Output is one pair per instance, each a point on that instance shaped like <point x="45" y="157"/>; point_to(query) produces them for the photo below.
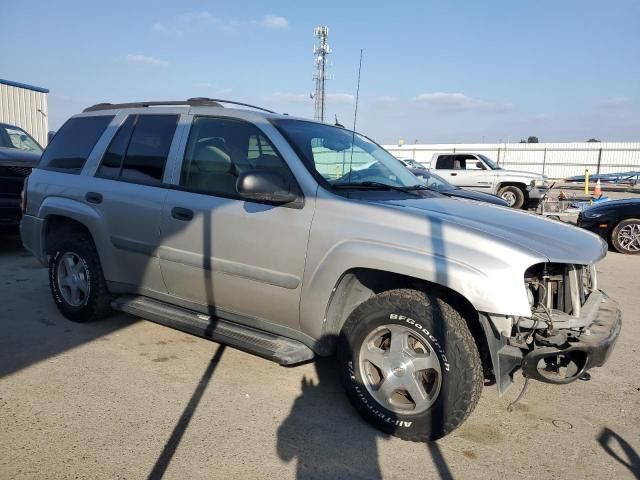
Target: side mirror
<point x="480" y="165"/>
<point x="264" y="186"/>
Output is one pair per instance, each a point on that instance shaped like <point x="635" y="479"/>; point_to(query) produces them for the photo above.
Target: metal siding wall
<point x="556" y="160"/>
<point x="19" y="106"/>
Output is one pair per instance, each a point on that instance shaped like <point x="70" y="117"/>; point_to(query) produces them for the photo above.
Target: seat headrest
<point x="212" y="159"/>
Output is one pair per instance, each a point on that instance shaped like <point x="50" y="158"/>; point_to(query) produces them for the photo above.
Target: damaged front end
<point x="573" y="327"/>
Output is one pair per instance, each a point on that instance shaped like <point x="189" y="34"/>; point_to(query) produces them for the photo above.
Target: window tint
<point x="138" y="153"/>
<point x="72" y="144"/>
<point x="112" y="159"/>
<point x="148" y="148"/>
<point x="219" y="149"/>
<point x="445" y="162"/>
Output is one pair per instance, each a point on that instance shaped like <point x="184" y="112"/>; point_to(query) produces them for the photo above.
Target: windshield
<point x="14" y="137"/>
<point x="435" y="182"/>
<point x="343" y="158"/>
<point x="412" y="163"/>
<point x="492" y="165"/>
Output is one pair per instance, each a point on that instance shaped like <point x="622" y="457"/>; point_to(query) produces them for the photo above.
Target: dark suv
<point x="19" y="153"/>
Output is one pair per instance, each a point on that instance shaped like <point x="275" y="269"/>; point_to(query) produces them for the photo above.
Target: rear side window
<point x="72" y="144"/>
<point x="138" y="153"/>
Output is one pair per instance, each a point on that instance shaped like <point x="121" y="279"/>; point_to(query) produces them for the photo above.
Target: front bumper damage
<point x="564" y="355"/>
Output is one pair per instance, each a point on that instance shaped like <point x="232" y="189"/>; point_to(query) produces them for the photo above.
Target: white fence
<point x="556" y="160"/>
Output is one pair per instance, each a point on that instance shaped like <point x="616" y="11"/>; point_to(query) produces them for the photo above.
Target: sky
<point x="432" y="71"/>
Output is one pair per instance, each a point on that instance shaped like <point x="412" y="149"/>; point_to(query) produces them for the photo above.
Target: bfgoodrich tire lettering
<point x="97" y="303"/>
<point x="450" y="341"/>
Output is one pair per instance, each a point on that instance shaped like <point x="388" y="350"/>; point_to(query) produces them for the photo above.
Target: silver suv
<point x="290" y="238"/>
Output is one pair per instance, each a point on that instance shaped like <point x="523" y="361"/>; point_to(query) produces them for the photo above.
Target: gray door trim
<point x="258" y="274"/>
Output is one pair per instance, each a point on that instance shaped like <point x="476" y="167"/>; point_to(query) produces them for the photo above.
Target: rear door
<point x="128" y="191"/>
<point x="243" y="260"/>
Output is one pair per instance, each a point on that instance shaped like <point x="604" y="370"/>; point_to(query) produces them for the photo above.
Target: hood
<point x="16" y="157"/>
<point x="474" y="195"/>
<point x="554" y="240"/>
<point x="518" y="173"/>
<point x="609" y="204"/>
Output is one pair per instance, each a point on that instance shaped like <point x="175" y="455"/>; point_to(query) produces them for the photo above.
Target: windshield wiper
<point x="380" y="185"/>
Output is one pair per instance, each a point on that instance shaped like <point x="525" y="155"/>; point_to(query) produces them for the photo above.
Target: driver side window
<point x="220" y="149"/>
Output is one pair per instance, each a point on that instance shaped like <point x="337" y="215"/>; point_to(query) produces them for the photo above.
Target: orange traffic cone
<point x="597" y="191"/>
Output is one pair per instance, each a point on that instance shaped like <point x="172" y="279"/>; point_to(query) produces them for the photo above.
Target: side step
<point x="273" y="347"/>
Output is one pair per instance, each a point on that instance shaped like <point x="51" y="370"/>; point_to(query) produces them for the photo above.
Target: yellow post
<point x="586" y="181"/>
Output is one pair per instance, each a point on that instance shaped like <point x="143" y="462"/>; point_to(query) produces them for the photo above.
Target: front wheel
<point x="513" y="195"/>
<point x="410" y="365"/>
<point x="625" y="237"/>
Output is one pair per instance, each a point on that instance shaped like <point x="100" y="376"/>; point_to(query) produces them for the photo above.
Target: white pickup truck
<point x="478" y="172"/>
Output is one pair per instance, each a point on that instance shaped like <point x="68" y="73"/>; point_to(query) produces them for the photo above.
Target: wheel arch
<point x="61" y="214"/>
<point x="357" y="285"/>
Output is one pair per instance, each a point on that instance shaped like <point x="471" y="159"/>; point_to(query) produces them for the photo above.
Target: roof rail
<point x="192" y="102"/>
<point x="231" y="102"/>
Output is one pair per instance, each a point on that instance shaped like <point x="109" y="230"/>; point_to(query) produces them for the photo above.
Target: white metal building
<point x="26" y="107"/>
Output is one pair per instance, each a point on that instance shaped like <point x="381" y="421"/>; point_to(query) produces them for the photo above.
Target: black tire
<point x="513" y="192"/>
<point x="616" y="240"/>
<point x="448" y="336"/>
<point x="97" y="304"/>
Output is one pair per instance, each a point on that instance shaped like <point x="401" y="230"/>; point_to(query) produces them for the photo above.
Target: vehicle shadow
<point x="31" y="328"/>
<point x="608" y="439"/>
<point x="325" y="435"/>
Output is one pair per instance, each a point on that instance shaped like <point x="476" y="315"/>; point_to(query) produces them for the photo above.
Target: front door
<point x="466" y="171"/>
<point x="239" y="259"/>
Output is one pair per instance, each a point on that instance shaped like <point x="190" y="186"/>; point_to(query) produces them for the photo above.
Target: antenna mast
<point x="320" y="50"/>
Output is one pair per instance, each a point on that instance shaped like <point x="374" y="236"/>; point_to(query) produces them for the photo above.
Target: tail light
<point x="23" y="196"/>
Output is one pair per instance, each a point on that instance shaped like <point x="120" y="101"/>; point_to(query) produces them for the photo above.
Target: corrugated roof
<point x="24" y="85"/>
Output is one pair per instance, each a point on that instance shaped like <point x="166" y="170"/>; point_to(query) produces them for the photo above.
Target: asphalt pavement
<point x="127" y="398"/>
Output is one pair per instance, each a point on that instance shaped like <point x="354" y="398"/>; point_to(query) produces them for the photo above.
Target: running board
<point x="282" y="350"/>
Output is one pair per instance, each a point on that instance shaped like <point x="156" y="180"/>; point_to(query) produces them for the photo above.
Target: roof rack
<point x="192" y="102"/>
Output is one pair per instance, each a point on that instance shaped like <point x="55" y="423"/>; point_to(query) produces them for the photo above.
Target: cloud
<point x="198" y="21"/>
<point x="145" y="60"/>
<point x="274" y="21"/>
<point x="194" y="21"/>
<point x="162" y="28"/>
<point x="459" y="102"/>
<point x="340" y="98"/>
<point x="384" y="99"/>
<point x="616" y="102"/>
<point x="291" y="97"/>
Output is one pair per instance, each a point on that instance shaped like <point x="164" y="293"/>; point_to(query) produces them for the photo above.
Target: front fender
<point x="504" y="294"/>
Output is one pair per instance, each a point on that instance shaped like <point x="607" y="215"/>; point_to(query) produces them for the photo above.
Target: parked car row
<point x="291" y="238"/>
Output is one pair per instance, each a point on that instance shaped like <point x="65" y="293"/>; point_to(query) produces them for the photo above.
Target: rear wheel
<point x="513" y="195"/>
<point x="76" y="280"/>
<point x="625" y="237"/>
<point x="410" y="365"/>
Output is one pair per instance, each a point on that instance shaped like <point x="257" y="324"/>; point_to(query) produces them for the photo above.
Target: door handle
<point x="93" y="197"/>
<point x="453" y="174"/>
<point x="183" y="214"/>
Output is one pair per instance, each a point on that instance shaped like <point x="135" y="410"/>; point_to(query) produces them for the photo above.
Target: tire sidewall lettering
<point x="435" y="344"/>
